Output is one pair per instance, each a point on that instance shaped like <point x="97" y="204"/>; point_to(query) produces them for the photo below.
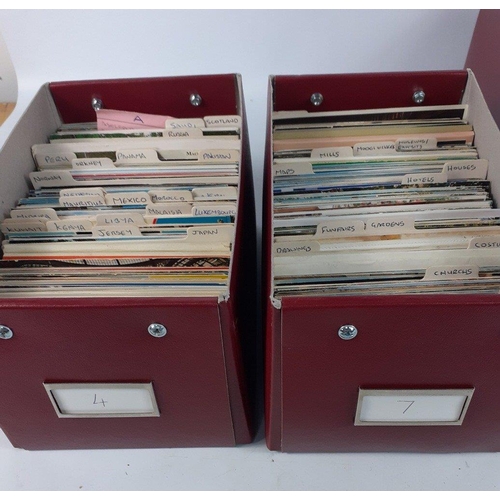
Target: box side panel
<point x="242" y="332"/>
<point x="86" y="341"/>
<point x="402" y="343"/>
<point x="38" y="121"/>
<point x="484" y="57"/>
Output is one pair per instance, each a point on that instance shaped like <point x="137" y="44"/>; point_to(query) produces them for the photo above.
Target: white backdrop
<point x="69" y="45"/>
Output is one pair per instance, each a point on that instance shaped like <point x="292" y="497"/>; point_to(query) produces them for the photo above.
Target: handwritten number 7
<point x="408" y="407"/>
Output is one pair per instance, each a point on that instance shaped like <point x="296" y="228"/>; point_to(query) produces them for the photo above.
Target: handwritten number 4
<point x="101" y="402"/>
<point x="408" y="407"/>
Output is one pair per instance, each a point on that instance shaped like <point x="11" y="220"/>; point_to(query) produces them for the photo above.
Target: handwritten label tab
<point x="438" y="273"/>
<point x="424" y="179"/>
<point x="340" y="229"/>
<point x="293" y="169"/>
<point x="51" y="178"/>
<point x="217" y="234"/>
<point x="332" y="153"/>
<point x="215" y="193"/>
<point x="13" y="226"/>
<point x="375" y="148"/>
<point x="416" y="144"/>
<point x="73" y="226"/>
<point x="92" y="200"/>
<point x="136" y="156"/>
<point x="34" y="213"/>
<point x="60" y="159"/>
<point x="120" y="218"/>
<point x="127" y="198"/>
<point x="170" y="195"/>
<point x="219" y="156"/>
<point x="394" y="224"/>
<point x="214" y="210"/>
<point x="92" y="163"/>
<point x="180" y="154"/>
<point x="183" y="133"/>
<point x="223" y="121"/>
<point x="183" y="123"/>
<point x="70" y="192"/>
<point x="299" y="248"/>
<point x="485" y="243"/>
<point x="169" y="209"/>
<point x="118" y="231"/>
<point x="466" y="169"/>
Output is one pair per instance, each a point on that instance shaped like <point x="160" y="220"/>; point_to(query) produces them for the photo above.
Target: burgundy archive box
<point x="429" y="344"/>
<point x="201" y="371"/>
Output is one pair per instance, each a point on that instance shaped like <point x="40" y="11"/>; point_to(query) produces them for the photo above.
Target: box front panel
<point x="402" y="343"/>
<point x="91" y="342"/>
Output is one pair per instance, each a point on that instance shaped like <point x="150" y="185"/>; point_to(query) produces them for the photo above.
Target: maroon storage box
<point x="199" y="371"/>
<point x="424" y="343"/>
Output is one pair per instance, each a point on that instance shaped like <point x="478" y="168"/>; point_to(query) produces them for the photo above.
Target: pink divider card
<point x="111" y="119"/>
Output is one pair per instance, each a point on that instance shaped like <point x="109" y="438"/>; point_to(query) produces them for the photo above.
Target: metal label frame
<point x="147" y="386"/>
<point x="467" y="393"/>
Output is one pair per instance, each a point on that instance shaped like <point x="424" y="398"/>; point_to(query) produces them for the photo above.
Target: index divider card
<point x="127" y="269"/>
<point x="381" y="264"/>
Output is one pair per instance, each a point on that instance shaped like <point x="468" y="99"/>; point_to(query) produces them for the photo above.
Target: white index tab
<point x="466" y="169"/>
<point x="169" y="209"/>
<point x="214" y="209"/>
<point x="293" y="169"/>
<point x="223" y="121"/>
<point x="34" y="214"/>
<point x="381" y="148"/>
<point x="23" y="226"/>
<point x="215" y="193"/>
<point x="219" y="156"/>
<point x="170" y="195"/>
<point x="118" y="231"/>
<point x="70" y="226"/>
<point x="416" y="144"/>
<point x="128" y="198"/>
<point x="424" y="179"/>
<point x="183" y="133"/>
<point x="298" y="248"/>
<point x="484" y="243"/>
<point x="135" y="156"/>
<point x="55" y="160"/>
<point x="332" y="153"/>
<point x="214" y="233"/>
<point x="92" y="163"/>
<point x="438" y="273"/>
<point x="340" y="229"/>
<point x="183" y="123"/>
<point x="393" y="224"/>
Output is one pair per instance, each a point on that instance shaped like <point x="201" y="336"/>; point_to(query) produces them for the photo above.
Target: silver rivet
<point x="418" y="97"/>
<point x="157" y="330"/>
<point x="6" y="332"/>
<point x="317" y="98"/>
<point x="195" y="99"/>
<point x="347" y="332"/>
<point x="97" y="103"/>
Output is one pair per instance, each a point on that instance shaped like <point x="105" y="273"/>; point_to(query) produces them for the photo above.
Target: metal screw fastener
<point x="347" y="332"/>
<point x="157" y="330"/>
<point x="97" y="104"/>
<point x="317" y="98"/>
<point x="6" y="332"/>
<point x="418" y="97"/>
<point x="195" y="99"/>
